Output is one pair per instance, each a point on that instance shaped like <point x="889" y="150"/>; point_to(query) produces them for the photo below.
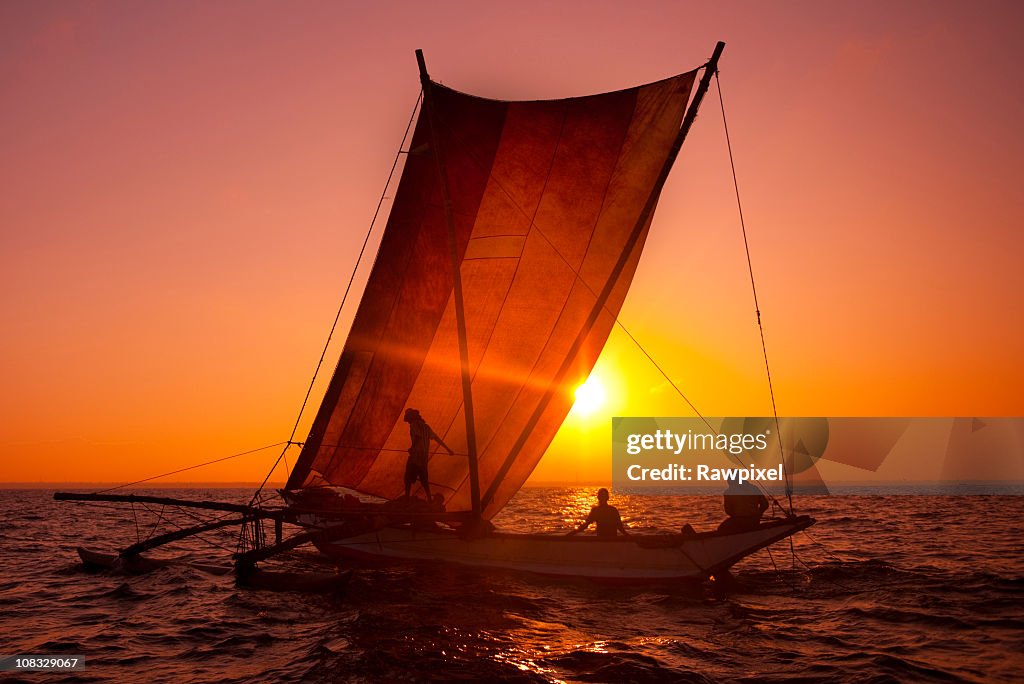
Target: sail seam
<point x="492" y="489"/>
<point x="532" y="219"/>
<point x="455" y="416"/>
<point x="496" y="483"/>
<point x="753" y="288"/>
<point x="532" y="228"/>
<point x="468" y="153"/>
<point x="535" y="227"/>
<point x="633" y="240"/>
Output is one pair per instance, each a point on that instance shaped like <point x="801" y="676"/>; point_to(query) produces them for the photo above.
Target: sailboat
<point x="513" y="237"/>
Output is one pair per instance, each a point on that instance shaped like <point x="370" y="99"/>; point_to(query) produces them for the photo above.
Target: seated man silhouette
<point x="606" y="517"/>
<point x="744" y="504"/>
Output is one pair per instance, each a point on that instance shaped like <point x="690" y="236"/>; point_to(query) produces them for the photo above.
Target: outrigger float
<point x="513" y="237"/>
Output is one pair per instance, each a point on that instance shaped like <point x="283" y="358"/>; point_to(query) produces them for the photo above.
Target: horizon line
<point x="240" y="484"/>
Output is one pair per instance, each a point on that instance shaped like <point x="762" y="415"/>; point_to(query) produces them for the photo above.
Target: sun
<point x="590" y="397"/>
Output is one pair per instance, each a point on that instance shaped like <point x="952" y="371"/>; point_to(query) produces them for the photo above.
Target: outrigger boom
<point x="327" y="530"/>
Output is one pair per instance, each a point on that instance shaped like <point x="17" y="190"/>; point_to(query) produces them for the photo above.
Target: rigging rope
<point x="753" y="287"/>
<point x="824" y="548"/>
<point x="152" y="531"/>
<point x="759" y="485"/>
<point x="344" y="297"/>
<point x="334" y="326"/>
<point x="660" y="370"/>
<point x="657" y="366"/>
<point x="199" y="535"/>
<point x="193" y="467"/>
<point x="195" y="518"/>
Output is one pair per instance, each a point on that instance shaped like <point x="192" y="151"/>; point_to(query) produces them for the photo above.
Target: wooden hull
<point x="635" y="558"/>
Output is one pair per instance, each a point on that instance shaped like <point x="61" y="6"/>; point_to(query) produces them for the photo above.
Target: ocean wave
<point x="930" y="593"/>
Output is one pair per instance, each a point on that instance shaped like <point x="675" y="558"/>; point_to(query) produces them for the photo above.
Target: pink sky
<point x="186" y="186"/>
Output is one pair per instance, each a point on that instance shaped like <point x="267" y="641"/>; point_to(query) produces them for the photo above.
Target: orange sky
<point x="186" y="186"/>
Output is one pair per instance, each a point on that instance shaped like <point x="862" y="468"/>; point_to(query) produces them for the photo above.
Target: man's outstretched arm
<point x="583" y="525"/>
<point x="434" y="436"/>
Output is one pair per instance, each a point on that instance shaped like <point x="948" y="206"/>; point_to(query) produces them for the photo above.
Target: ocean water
<point x="883" y="588"/>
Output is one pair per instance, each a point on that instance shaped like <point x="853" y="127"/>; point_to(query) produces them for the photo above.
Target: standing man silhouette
<point x="419" y="451"/>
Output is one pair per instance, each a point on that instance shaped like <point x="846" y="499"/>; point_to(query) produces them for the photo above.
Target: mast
<point x="691" y="114"/>
<point x="460" y="312"/>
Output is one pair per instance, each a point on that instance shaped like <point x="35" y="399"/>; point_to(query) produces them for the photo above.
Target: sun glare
<point x="589" y="397"/>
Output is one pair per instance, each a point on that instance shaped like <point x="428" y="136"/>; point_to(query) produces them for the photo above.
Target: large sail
<point x="544" y="196"/>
